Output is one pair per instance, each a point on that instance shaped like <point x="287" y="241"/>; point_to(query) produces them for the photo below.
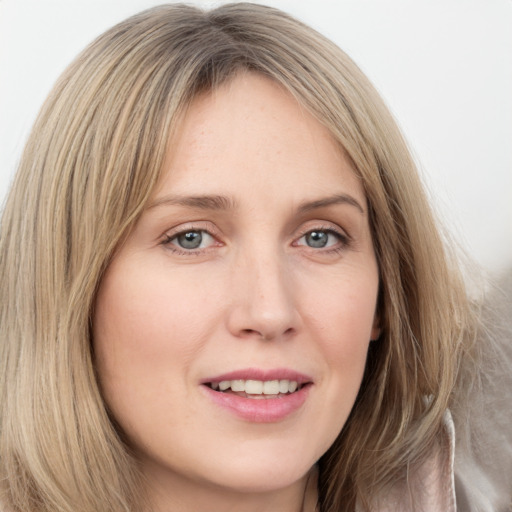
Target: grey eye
<point x="317" y="239"/>
<point x="190" y="240"/>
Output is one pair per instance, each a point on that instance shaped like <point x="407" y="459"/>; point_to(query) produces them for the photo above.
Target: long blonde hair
<point x="89" y="167"/>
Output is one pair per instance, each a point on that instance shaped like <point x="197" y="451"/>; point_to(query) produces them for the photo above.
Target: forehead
<point x="250" y="130"/>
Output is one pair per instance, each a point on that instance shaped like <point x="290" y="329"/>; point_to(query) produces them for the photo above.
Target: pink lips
<point x="265" y="410"/>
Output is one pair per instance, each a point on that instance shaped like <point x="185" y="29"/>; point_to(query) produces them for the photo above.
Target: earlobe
<point x="376" y="329"/>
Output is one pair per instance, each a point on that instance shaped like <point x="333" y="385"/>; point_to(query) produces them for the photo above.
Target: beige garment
<point x="431" y="486"/>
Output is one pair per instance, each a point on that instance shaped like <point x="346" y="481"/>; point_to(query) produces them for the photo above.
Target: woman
<point x="224" y="288"/>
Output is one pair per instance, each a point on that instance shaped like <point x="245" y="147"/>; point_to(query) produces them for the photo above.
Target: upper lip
<point x="260" y="374"/>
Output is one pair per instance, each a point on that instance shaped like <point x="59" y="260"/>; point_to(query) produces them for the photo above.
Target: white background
<point x="443" y="66"/>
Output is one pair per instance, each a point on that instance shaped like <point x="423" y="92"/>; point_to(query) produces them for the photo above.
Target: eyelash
<point x="169" y="238"/>
<point x="343" y="243"/>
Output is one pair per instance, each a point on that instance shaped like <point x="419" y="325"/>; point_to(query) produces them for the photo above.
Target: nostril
<point x="251" y="332"/>
<point x="266" y="335"/>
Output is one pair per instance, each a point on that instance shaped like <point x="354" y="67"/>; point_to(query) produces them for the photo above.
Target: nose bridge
<point x="263" y="304"/>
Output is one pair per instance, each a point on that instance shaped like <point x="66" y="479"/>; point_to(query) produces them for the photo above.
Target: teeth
<point x="271" y="387"/>
<point x="237" y="385"/>
<point x="253" y="387"/>
<point x="257" y="387"/>
<point x="225" y="384"/>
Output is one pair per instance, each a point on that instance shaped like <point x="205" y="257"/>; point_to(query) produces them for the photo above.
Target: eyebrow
<point x="206" y="202"/>
<point x="218" y="202"/>
<point x="329" y="201"/>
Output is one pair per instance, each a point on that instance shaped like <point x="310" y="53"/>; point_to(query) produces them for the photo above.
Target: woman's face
<point x="231" y="328"/>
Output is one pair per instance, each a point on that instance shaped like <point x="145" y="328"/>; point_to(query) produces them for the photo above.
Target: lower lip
<point x="262" y="410"/>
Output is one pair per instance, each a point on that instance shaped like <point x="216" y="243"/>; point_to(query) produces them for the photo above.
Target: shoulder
<point x="429" y="486"/>
<point x="483" y="414"/>
<point x="469" y="468"/>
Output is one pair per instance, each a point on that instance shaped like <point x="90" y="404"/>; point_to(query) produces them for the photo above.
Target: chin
<point x="263" y="470"/>
<point x="260" y="478"/>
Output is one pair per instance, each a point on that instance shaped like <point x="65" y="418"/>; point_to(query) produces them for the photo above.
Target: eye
<point x="322" y="238"/>
<point x="190" y="240"/>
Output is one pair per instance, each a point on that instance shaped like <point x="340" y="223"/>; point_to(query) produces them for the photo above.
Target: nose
<point x="263" y="304"/>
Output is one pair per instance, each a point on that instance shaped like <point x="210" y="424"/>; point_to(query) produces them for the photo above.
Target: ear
<point x="376" y="328"/>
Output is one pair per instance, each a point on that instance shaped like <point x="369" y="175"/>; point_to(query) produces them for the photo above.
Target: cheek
<point x="341" y="315"/>
<point x="146" y="333"/>
<point x="148" y="313"/>
<point x="342" y="308"/>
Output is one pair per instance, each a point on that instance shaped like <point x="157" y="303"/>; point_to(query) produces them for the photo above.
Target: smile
<point x="257" y="389"/>
<point x="259" y="396"/>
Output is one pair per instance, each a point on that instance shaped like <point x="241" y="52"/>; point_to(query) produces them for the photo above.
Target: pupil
<point x="316" y="239"/>
<point x="190" y="240"/>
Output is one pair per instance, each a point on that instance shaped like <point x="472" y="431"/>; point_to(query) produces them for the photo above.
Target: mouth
<point x="258" y="395"/>
<point x="257" y="389"/>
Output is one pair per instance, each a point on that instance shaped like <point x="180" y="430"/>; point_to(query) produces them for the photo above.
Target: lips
<point x="259" y="395"/>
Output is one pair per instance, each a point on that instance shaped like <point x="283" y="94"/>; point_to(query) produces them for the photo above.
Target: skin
<point x="254" y="294"/>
